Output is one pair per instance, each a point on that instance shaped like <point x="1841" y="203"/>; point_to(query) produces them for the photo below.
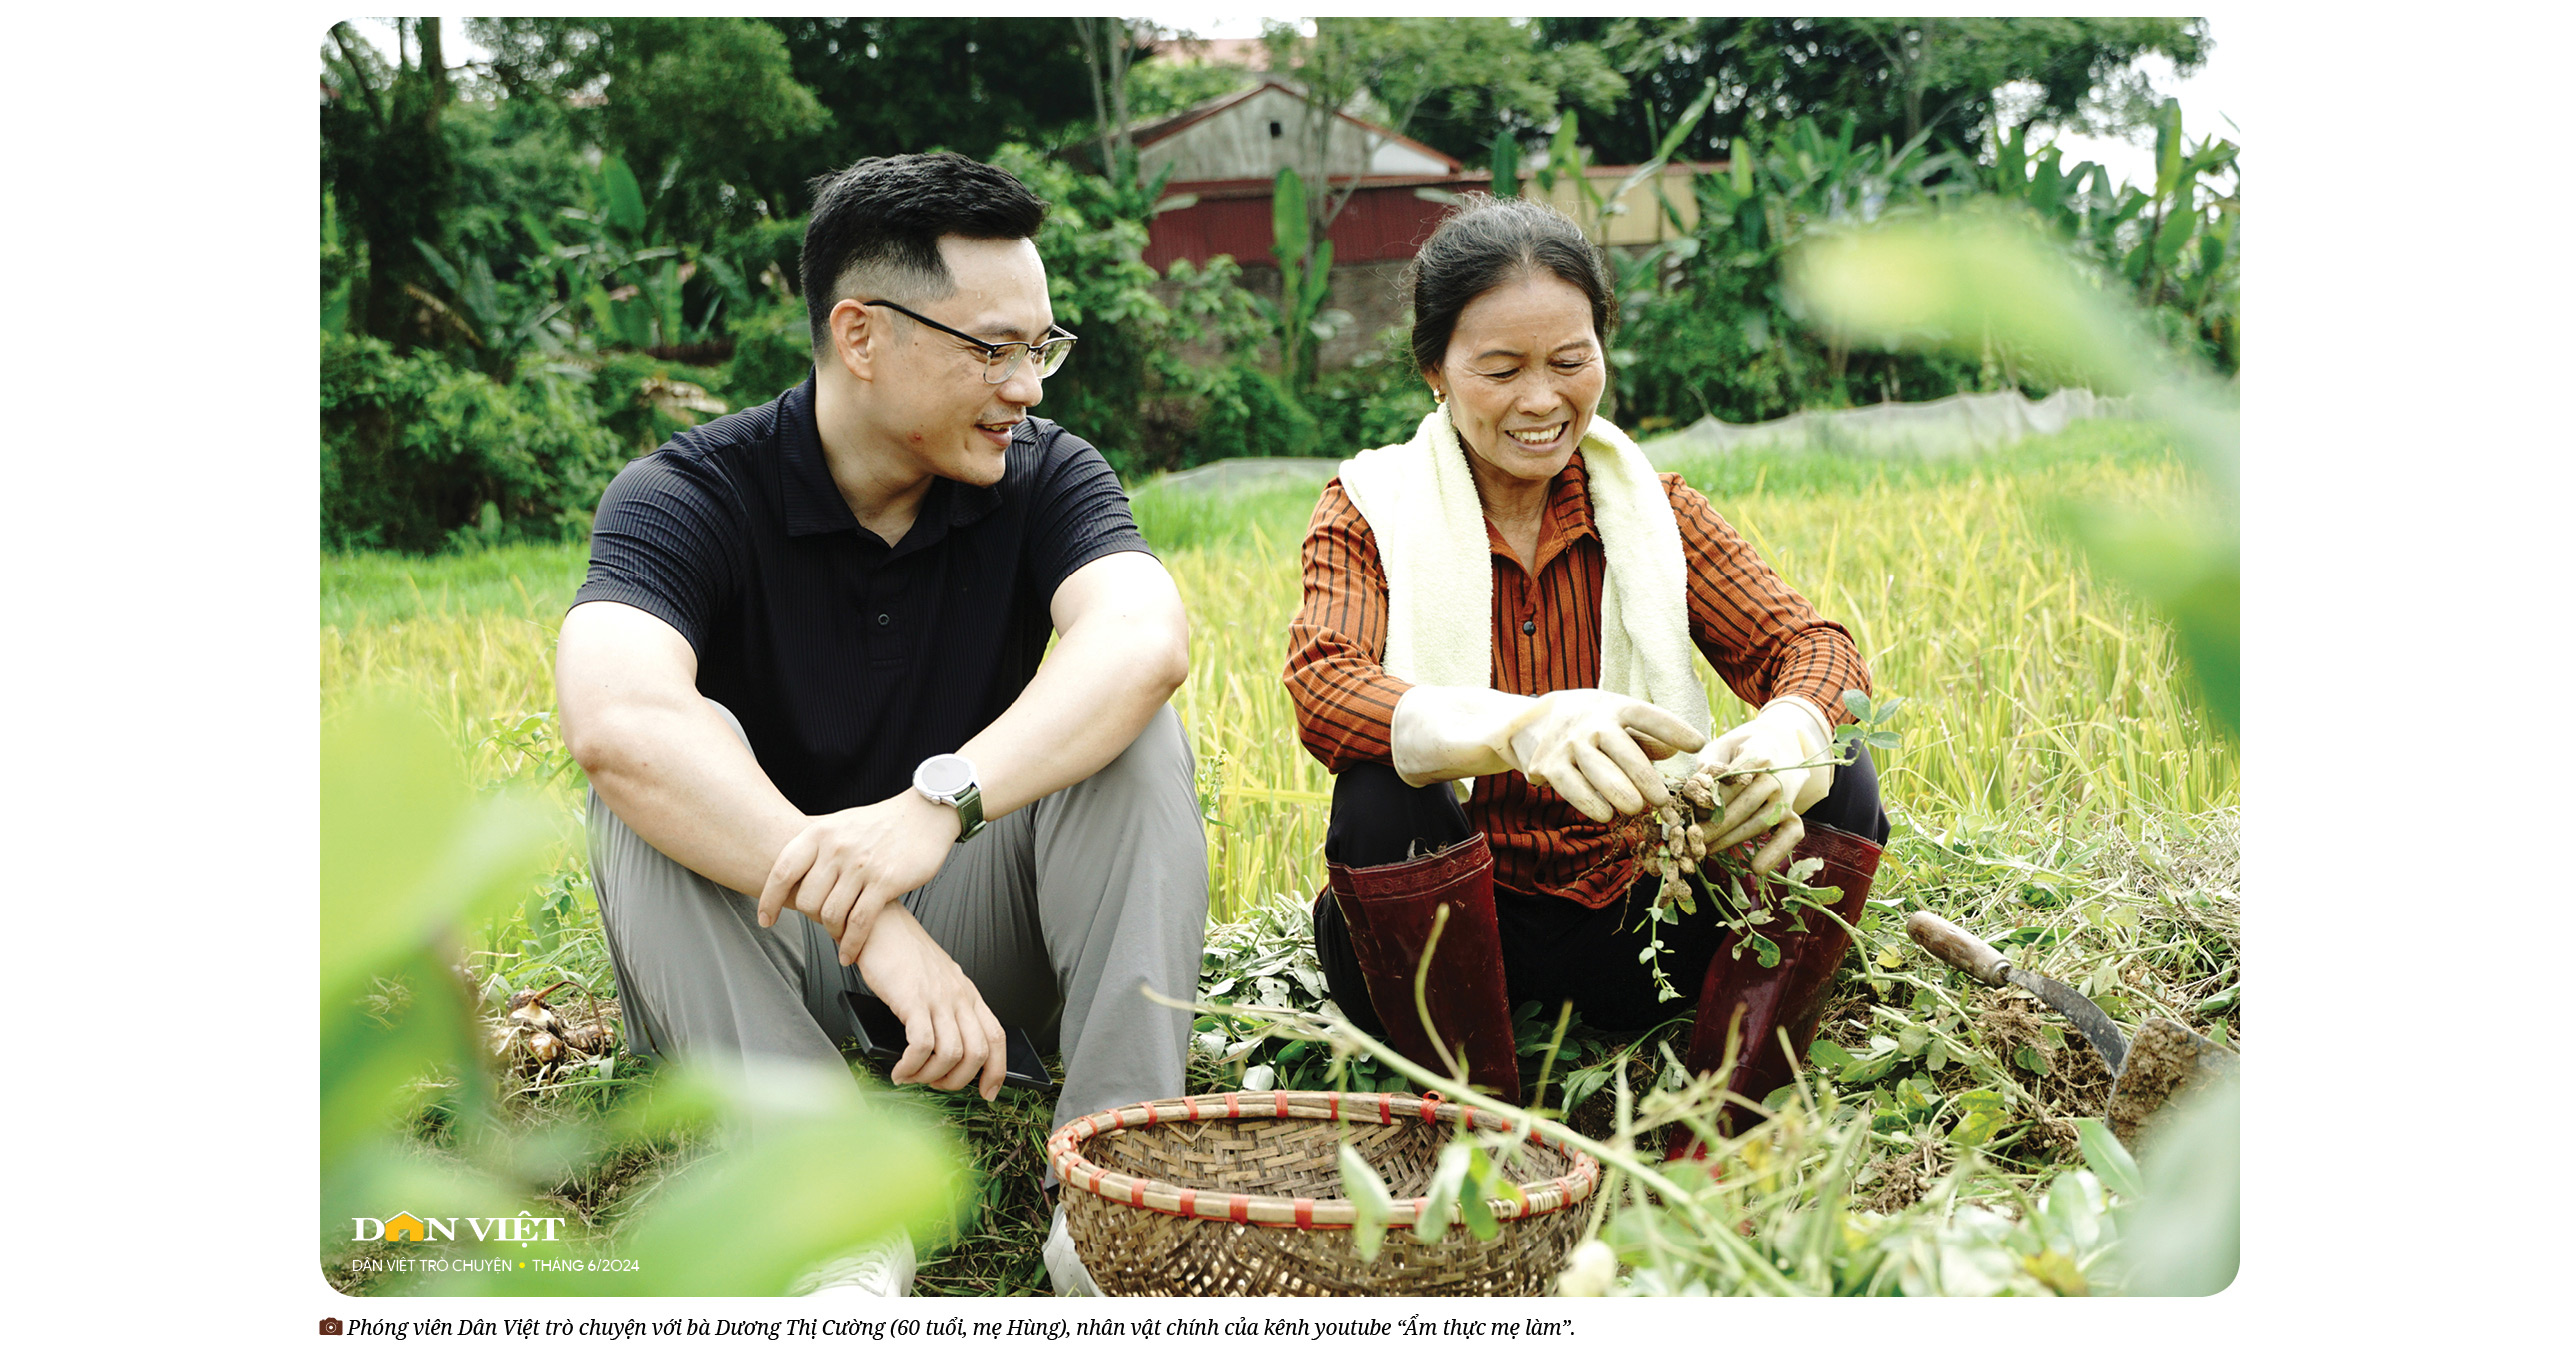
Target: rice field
<point x="2030" y="691"/>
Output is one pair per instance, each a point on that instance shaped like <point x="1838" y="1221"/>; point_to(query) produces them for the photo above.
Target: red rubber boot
<point x="1786" y="999"/>
<point x="1390" y="910"/>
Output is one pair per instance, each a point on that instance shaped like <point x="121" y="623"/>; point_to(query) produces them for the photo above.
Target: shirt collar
<point x="813" y="504"/>
<point x="1567" y="516"/>
<point x="1569" y="502"/>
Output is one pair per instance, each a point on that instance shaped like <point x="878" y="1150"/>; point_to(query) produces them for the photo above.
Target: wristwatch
<point x="953" y="782"/>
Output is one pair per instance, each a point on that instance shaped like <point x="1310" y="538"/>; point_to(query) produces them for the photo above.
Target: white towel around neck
<point x="1421" y="504"/>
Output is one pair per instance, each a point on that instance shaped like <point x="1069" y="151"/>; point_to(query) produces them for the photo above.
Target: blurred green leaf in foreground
<point x="1987" y="275"/>
<point x="412" y="860"/>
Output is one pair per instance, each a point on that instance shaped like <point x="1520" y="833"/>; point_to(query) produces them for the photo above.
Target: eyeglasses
<point x="1002" y="358"/>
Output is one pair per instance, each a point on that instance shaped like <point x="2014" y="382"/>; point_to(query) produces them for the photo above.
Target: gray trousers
<point x="1059" y="913"/>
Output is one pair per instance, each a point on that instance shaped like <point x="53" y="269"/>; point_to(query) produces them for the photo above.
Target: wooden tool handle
<point x="1958" y="946"/>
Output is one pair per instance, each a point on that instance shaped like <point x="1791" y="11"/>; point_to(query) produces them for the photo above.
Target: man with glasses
<point x="805" y="672"/>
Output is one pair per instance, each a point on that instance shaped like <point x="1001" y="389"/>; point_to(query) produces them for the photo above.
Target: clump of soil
<point x="2074" y="1083"/>
<point x="2163" y="1065"/>
<point x="1897" y="1182"/>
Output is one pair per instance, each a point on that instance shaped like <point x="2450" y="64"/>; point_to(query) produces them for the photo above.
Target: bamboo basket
<point x="1241" y="1194"/>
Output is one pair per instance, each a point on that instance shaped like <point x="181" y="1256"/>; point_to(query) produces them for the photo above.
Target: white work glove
<point x="1758" y="797"/>
<point x="1594" y="748"/>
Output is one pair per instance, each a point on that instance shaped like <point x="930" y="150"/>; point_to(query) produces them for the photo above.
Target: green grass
<point x="2057" y="790"/>
<point x="532" y="580"/>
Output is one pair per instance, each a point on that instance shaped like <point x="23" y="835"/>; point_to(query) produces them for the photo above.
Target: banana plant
<point x="631" y="285"/>
<point x="2188" y="252"/>
<point x="500" y="322"/>
<point x="1306" y="269"/>
<point x="1807" y="184"/>
<point x="1505" y="165"/>
<point x="2176" y="248"/>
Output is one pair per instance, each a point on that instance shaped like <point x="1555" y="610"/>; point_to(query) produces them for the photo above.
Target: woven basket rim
<point x="1077" y="1172"/>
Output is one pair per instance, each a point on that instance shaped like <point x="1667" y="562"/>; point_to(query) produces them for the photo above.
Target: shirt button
<point x="1529" y="626"/>
<point x="884" y="620"/>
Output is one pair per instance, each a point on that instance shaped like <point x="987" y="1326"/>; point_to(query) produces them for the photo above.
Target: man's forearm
<point x="675" y="773"/>
<point x="1098" y="689"/>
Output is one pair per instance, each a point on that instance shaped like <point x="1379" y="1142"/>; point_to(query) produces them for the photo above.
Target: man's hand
<point x="844" y="869"/>
<point x="1759" y="796"/>
<point x="952" y="1037"/>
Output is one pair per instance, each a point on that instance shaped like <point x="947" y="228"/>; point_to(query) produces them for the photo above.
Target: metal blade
<point x="2083" y="1014"/>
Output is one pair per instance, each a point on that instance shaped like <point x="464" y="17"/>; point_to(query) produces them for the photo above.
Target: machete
<point x="1970" y="956"/>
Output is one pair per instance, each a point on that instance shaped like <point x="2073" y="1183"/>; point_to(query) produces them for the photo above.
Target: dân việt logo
<point x="408" y="1227"/>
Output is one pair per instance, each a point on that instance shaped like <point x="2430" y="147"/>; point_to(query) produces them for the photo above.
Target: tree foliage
<point x="1715" y="327"/>
<point x="414" y="449"/>
<point x="384" y="161"/>
<point x="707" y="112"/>
<point x="962" y="84"/>
<point x="1914" y="79"/>
<point x="536" y="268"/>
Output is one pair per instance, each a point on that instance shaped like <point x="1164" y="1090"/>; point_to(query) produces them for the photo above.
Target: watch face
<point x="945" y="776"/>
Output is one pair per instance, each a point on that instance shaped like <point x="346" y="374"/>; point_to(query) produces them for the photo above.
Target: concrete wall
<point x="1642" y="222"/>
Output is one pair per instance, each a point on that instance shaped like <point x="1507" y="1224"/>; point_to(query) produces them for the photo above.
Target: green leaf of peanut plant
<point x="2107" y="1157"/>
<point x="1448" y="1186"/>
<point x="1368" y="1196"/>
<point x="1870" y="729"/>
<point x="1475" y="1196"/>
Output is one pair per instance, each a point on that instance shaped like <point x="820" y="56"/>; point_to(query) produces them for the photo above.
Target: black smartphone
<point x="880" y="1034"/>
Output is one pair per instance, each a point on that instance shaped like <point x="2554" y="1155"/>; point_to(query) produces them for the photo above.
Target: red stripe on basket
<point x="1306" y="1211"/>
<point x="1431" y="1107"/>
<point x="1385" y="1115"/>
<point x="1239" y="1208"/>
<point x="1184" y="1207"/>
<point x="1120" y="1117"/>
<point x="1232" y="1112"/>
<point x="1282" y="1098"/>
<point x="1334" y="1103"/>
<point x="1138" y="1192"/>
<point x="1189" y="1108"/>
<point x="1151" y="1114"/>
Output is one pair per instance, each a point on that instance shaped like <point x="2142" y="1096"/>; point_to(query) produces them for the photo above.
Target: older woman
<point x="1514" y="597"/>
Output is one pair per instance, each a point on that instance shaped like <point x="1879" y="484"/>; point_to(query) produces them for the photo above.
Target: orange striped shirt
<point x="1755" y="630"/>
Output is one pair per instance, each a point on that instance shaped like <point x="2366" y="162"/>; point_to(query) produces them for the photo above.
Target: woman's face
<point x="1523" y="375"/>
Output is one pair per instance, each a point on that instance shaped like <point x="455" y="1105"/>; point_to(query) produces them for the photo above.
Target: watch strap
<point x="972" y="819"/>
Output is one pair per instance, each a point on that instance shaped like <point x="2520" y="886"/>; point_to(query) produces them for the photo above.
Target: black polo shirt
<point x="849" y="661"/>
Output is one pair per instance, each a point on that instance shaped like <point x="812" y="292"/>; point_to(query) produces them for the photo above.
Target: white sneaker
<point x="886" y="1269"/>
<point x="1067" y="1276"/>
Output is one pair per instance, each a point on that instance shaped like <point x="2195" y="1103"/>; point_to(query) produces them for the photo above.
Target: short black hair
<point x="1486" y="243"/>
<point x="887" y="215"/>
